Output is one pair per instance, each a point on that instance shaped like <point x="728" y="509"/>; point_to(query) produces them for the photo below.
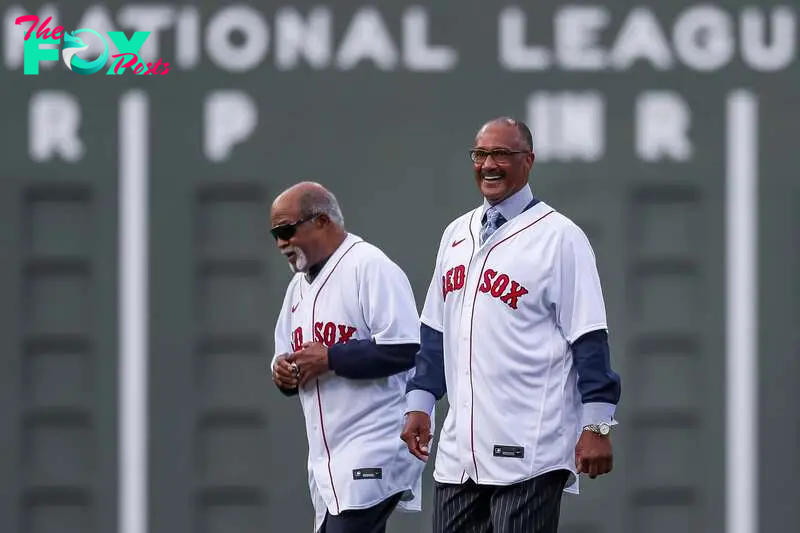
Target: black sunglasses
<point x="287" y="231"/>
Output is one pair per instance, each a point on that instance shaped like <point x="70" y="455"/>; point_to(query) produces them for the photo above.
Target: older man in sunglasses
<point x="345" y="343"/>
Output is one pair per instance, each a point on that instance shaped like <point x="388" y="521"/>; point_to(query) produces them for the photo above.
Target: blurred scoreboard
<point x="139" y="285"/>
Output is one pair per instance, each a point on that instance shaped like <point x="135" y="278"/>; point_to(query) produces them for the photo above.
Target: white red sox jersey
<point x="508" y="310"/>
<point x="356" y="457"/>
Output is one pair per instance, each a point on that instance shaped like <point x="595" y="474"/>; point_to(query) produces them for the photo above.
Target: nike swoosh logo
<point x="456" y="243"/>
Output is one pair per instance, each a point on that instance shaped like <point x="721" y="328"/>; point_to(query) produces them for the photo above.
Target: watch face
<point x="604" y="429"/>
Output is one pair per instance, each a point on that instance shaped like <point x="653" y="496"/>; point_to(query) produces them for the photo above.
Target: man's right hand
<point x="417" y="434"/>
<point x="283" y="375"/>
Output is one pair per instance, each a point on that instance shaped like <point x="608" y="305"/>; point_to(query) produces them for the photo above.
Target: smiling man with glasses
<point x="514" y="332"/>
<point x="345" y="342"/>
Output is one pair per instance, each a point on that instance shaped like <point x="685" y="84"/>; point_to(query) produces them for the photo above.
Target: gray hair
<point x="319" y="201"/>
<point x="522" y="128"/>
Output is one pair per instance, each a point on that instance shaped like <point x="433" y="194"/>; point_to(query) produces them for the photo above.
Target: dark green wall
<point x="226" y="451"/>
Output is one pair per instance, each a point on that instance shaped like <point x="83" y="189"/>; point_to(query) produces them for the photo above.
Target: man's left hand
<point x="593" y="455"/>
<point x="311" y="361"/>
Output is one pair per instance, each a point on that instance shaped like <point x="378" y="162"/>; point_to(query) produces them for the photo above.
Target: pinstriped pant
<point x="532" y="506"/>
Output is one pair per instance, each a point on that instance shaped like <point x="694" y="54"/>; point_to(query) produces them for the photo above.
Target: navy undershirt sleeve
<point x="597" y="382"/>
<point x="364" y="359"/>
<point x="429" y="375"/>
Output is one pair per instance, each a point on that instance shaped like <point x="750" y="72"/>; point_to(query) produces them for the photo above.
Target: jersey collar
<point x="321" y="267"/>
<point x="314" y="270"/>
<point x="511" y="206"/>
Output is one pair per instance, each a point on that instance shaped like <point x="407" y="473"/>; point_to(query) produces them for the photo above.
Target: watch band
<point x="601" y="429"/>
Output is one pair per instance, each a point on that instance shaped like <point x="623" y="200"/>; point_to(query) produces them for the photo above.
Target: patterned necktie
<point x="493" y="221"/>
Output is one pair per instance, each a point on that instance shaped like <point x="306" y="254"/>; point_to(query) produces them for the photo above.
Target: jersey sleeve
<point x="282" y="330"/>
<point x="433" y="310"/>
<point x="576" y="293"/>
<point x="387" y="302"/>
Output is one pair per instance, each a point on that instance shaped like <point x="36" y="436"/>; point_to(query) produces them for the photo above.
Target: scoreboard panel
<point x="140" y="284"/>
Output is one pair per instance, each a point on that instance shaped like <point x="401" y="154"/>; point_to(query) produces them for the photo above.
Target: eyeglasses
<point x="500" y="155"/>
<point x="287" y="231"/>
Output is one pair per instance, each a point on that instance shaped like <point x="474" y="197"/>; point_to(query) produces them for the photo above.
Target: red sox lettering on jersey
<point x="346" y="421"/>
<point x="327" y="333"/>
<point x="453" y="280"/>
<point x="497" y="284"/>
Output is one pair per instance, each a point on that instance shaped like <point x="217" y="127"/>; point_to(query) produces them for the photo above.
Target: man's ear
<point x="531" y="158"/>
<point x="322" y="220"/>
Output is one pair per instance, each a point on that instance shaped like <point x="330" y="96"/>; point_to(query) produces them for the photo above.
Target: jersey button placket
<point x="463" y="439"/>
<point x="465" y="333"/>
<point x="464" y="364"/>
<point x="465" y="389"/>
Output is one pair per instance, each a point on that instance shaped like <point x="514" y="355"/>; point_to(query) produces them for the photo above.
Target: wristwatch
<point x="603" y="428"/>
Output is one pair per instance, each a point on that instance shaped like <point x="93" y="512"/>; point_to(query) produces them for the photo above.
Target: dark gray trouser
<point x="532" y="506"/>
<point x="369" y="520"/>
